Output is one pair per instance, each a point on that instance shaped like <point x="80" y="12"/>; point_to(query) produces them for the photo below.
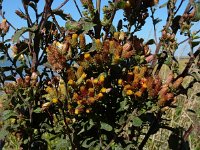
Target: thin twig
<point x="62" y="4"/>
<point x="188" y="38"/>
<point x="77" y="8"/>
<point x="111" y="20"/>
<point x="57" y="25"/>
<point x="189" y="64"/>
<point x="154" y="26"/>
<point x="29" y="21"/>
<point x="179" y="7"/>
<point x="151" y="129"/>
<point x="169" y="20"/>
<point x="98" y="5"/>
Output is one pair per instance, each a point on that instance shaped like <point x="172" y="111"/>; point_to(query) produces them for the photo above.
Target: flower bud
<point x="87" y="56"/>
<point x="34" y="76"/>
<point x="129" y="92"/>
<point x="122" y="36"/>
<point x="127" y="46"/>
<point x="14" y="49"/>
<point x="116" y="36"/>
<point x="177" y="83"/>
<point x="74" y="40"/>
<point x="98" y="44"/>
<point x="82" y="43"/>
<point x="4" y="26"/>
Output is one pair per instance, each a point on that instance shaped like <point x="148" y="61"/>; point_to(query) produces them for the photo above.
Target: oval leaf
<point x="136" y="121"/>
<point x="106" y="126"/>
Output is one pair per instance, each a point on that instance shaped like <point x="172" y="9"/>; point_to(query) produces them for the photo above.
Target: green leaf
<point x="85" y="143"/>
<point x="136" y="121"/>
<point x="91" y="124"/>
<point x="194" y="36"/>
<point x="62" y="144"/>
<point x="38" y="110"/>
<point x="21" y="31"/>
<point x="123" y="105"/>
<point x="61" y="14"/>
<point x="73" y="26"/>
<point x="8" y="114"/>
<point x="88" y="26"/>
<point x="3" y="133"/>
<point x="121" y="4"/>
<point x="197" y="11"/>
<point x="18" y="33"/>
<point x="112" y="29"/>
<point x="106" y="126"/>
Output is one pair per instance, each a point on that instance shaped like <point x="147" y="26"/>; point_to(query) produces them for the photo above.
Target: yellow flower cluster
<point x="86" y="92"/>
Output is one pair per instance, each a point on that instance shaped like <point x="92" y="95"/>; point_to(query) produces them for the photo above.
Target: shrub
<point x="68" y="93"/>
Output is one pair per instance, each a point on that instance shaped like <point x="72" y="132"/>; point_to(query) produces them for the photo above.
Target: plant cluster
<point x="65" y="92"/>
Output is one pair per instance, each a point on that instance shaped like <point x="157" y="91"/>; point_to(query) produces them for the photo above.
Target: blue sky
<point x="9" y="6"/>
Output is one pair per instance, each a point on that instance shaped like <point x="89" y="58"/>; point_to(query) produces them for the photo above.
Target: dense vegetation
<point x="96" y="85"/>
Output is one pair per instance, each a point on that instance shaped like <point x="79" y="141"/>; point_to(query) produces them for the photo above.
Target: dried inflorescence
<point x="56" y="58"/>
<point x="4" y="27"/>
<point x="27" y="81"/>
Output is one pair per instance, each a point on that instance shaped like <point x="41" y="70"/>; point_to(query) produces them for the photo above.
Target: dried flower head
<point x="56" y="59"/>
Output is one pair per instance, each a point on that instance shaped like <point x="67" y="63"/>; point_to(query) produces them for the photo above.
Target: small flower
<point x="103" y="90"/>
<point x="100" y="95"/>
<point x="91" y="92"/>
<point x="121" y="35"/>
<point x="82" y="43"/>
<point x="138" y="93"/>
<point x="34" y="76"/>
<point x="127" y="46"/>
<point x="74" y="40"/>
<point x="98" y="44"/>
<point x="87" y="56"/>
<point x="80" y="80"/>
<point x="76" y="111"/>
<point x="71" y="82"/>
<point x="91" y="100"/>
<point x="101" y="78"/>
<point x="83" y="90"/>
<point x="120" y="81"/>
<point x="129" y="92"/>
<point x="95" y="81"/>
<point x="75" y="96"/>
<point x="88" y="110"/>
<point x="54" y="100"/>
<point x="116" y="35"/>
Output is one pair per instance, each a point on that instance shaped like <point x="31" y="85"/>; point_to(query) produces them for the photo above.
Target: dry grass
<point x="186" y="113"/>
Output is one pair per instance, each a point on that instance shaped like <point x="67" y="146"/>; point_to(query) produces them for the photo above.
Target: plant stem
<point x="152" y="128"/>
<point x="154" y="26"/>
<point x="62" y="4"/>
<point x="78" y="8"/>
